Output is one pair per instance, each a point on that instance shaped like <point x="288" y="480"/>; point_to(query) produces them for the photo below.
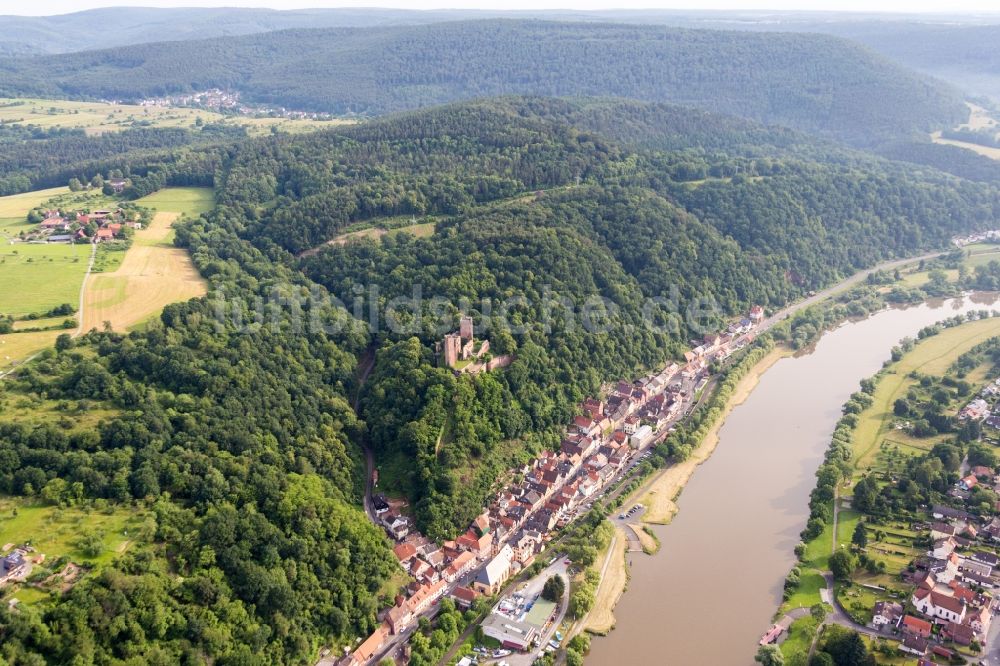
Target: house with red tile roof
<point x="460" y="566"/>
<point x="404" y="552"/>
<point x="425" y="596"/>
<point x="366" y="650"/>
<point x="914" y="626"/>
<point x="464" y="596"/>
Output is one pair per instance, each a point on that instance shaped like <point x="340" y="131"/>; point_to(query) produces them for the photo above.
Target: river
<point x="712" y="589"/>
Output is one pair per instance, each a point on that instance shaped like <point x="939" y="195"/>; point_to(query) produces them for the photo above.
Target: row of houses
<point x="543" y="495"/>
<point x="73" y="227"/>
<point x="992" y="235"/>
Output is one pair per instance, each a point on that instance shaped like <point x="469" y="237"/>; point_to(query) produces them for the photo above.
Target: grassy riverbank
<point x="614" y="579"/>
<point x="660" y="493"/>
<point x="931" y="356"/>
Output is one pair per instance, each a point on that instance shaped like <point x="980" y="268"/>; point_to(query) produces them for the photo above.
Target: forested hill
<point x="526" y="202"/>
<point x="811" y="82"/>
<point x="230" y="416"/>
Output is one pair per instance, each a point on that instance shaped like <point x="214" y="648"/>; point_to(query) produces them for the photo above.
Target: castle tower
<point x="465" y="327"/>
<point x="452" y="349"/>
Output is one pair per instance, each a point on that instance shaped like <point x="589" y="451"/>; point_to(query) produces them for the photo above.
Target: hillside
<point x="123" y="26"/>
<point x="599" y="218"/>
<point x="231" y="416"/>
<point x="813" y="83"/>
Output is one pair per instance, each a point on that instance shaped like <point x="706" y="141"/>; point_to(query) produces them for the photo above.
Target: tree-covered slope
<point x="231" y="415"/>
<point x="530" y="205"/>
<point x="811" y="82"/>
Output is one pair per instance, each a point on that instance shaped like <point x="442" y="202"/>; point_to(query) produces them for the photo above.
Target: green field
<point x="102" y="117"/>
<point x="977" y="254"/>
<point x="931" y="356"/>
<point x="38" y="277"/>
<point x="422" y="230"/>
<point x="55" y="531"/>
<point x="18" y="205"/>
<point x="188" y="201"/>
<point x="800" y="636"/>
<point x="807" y="593"/>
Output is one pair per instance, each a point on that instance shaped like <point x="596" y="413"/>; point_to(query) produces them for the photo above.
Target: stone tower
<point x="465" y="327"/>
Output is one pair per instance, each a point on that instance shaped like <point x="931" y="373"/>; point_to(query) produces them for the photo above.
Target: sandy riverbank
<point x="659" y="493"/>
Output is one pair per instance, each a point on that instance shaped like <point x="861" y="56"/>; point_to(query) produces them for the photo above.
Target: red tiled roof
<point x="916" y="623"/>
<point x="948" y="603"/>
<point x="465" y="594"/>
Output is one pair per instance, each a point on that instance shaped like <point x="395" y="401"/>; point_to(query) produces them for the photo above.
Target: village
<point x="80" y="226"/>
<point x="608" y="439"/>
<point x="950" y="604"/>
<point x="219" y="100"/>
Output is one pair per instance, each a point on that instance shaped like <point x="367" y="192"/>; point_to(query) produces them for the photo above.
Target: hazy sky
<point x="38" y="7"/>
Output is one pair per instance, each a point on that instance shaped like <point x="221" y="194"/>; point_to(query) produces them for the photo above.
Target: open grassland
<point x="979" y="119"/>
<point x="978" y="254"/>
<point x="806" y="595"/>
<point x="986" y="151"/>
<point x="55" y="531"/>
<point x="184" y="201"/>
<point x="18" y="205"/>
<point x="931" y="356"/>
<point x="38" y="277"/>
<point x="15" y="347"/>
<point x="375" y="232"/>
<point x="101" y="117"/>
<point x="153" y="274"/>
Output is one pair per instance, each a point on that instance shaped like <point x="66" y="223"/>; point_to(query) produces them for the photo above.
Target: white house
<point x="887" y="613"/>
<point x="641" y="437"/>
<point x="937" y="605"/>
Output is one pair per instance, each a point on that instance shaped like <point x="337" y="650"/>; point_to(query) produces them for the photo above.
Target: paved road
<point x="841" y="286"/>
<point x="991" y="653"/>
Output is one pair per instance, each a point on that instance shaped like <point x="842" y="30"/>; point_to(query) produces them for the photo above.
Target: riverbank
<point x="879" y="451"/>
<point x="659" y="494"/>
<point x="614" y="579"/>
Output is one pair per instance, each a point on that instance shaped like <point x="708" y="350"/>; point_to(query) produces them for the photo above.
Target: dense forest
<point x="234" y="423"/>
<point x="32" y="159"/>
<point x="241" y="441"/>
<point x="816" y="83"/>
<point x="598" y="219"/>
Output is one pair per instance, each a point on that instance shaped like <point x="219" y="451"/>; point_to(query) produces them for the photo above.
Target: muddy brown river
<point x="711" y="591"/>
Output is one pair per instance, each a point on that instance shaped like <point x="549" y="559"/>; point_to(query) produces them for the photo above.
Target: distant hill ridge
<point x="810" y="82"/>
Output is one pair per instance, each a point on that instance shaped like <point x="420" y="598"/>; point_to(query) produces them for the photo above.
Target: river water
<point x="711" y="591"/>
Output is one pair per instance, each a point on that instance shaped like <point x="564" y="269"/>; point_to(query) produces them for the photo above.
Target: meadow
<point x="101" y="117"/>
<point x="41" y="276"/>
<point x="55" y="530"/>
<point x="153" y="273"/>
<point x="932" y="356"/>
